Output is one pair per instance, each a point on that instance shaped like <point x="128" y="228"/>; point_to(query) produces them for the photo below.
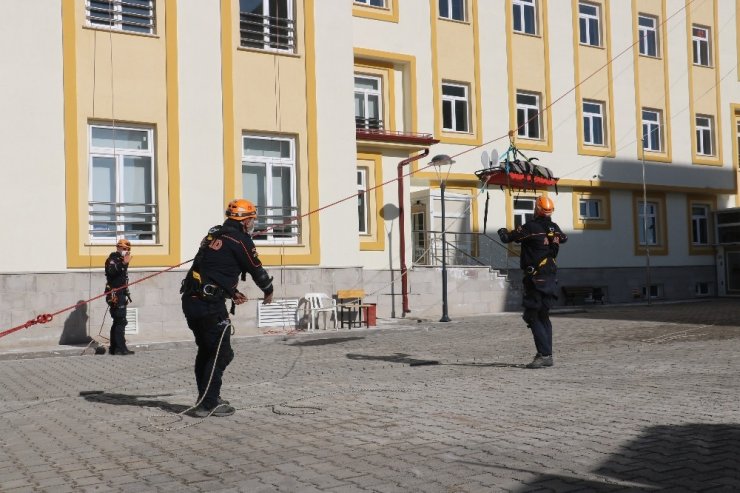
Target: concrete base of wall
<point x="471" y="291"/>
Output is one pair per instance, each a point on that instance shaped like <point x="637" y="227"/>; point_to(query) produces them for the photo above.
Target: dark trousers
<point x="118" y="328"/>
<point x="209" y="331"/>
<point x="537" y="303"/>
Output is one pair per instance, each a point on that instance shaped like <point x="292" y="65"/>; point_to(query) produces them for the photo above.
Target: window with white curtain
<point x="269" y="181"/>
<point x="122" y="201"/>
<point x="368" y="102"/>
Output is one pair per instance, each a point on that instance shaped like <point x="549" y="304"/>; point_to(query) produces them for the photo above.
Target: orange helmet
<point x="544" y="206"/>
<point x="123" y="243"/>
<point x="240" y="209"/>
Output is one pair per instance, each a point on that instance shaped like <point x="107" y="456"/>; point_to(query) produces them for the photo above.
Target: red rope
<point x="45" y="318"/>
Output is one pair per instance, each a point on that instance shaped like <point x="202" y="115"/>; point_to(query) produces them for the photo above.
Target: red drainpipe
<point x="402" y="230"/>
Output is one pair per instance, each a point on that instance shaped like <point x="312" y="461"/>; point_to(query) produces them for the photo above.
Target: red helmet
<point x="544" y="206"/>
<point x="240" y="209"/>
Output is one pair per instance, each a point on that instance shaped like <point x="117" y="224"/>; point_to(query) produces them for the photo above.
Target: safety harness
<point x="197" y="284"/>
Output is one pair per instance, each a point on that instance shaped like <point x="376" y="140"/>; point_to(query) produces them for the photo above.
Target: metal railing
<point x="277" y="224"/>
<point x="264" y="32"/>
<point x="463" y="249"/>
<point x="122" y="15"/>
<point x="368" y="123"/>
<point x="135" y="220"/>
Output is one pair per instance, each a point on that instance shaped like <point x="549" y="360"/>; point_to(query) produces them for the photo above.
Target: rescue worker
<point x="540" y="240"/>
<point x="226" y="253"/>
<point x="118" y="297"/>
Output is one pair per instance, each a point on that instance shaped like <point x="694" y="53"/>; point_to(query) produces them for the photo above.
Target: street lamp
<point x="438" y="162"/>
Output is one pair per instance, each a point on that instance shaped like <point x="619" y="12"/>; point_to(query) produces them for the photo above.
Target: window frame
<point x="661" y="226"/>
<point x="450" y="9"/>
<point x="117" y="17"/>
<point x="696" y="223"/>
<point x="118" y="154"/>
<point x="521" y="18"/>
<point x="522" y="128"/>
<point x="363" y="174"/>
<point x="696" y="43"/>
<point x="586" y="21"/>
<point x="453" y="102"/>
<point x="366" y="93"/>
<point x="589" y="118"/>
<point x="650" y="32"/>
<point x="368" y="3"/>
<point x="269" y="30"/>
<point x="603" y="221"/>
<point x="650" y="123"/>
<point x="645" y="214"/>
<point x="290" y="163"/>
<point x="704" y="136"/>
<point x="521" y="215"/>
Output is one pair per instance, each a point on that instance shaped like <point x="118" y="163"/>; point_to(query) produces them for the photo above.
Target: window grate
<point x="122" y="15"/>
<point x="264" y="32"/>
<point x="132" y="316"/>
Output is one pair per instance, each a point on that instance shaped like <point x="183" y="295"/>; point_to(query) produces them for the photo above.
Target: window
<point x="452" y="9"/>
<point x="368" y="102"/>
<point x="656" y="291"/>
<point x="122" y="15"/>
<point x="523" y="210"/>
<point x="122" y="199"/>
<point x="525" y="16"/>
<point x="648" y="30"/>
<point x="702" y="51"/>
<point x="651" y="130"/>
<point x="268" y="180"/>
<point x="372" y="3"/>
<point x="528" y="115"/>
<point x="704" y="135"/>
<point x="700" y="224"/>
<point x="647" y="216"/>
<point x="588" y="23"/>
<point x="362" y="200"/>
<point x="589" y="209"/>
<point x="267" y="24"/>
<point x="702" y="289"/>
<point x="593" y="123"/>
<point x="455" y="107"/>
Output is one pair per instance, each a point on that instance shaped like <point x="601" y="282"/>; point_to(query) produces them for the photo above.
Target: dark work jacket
<point x="540" y="238"/>
<point x="225" y="254"/>
<point x="116" y="272"/>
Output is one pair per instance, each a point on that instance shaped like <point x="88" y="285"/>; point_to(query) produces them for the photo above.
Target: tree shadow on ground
<point x="324" y="342"/>
<point x="133" y="400"/>
<point x="691" y="457"/>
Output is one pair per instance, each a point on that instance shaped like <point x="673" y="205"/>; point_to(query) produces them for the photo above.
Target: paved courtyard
<point x="641" y="399"/>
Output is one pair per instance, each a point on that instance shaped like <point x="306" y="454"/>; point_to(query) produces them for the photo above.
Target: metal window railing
<point x="122" y="15"/>
<point x="277" y="224"/>
<point x="135" y="220"/>
<point x="368" y="123"/>
<point x="264" y="32"/>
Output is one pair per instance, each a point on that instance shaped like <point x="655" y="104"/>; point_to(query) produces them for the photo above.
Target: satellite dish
<point x="484" y="159"/>
<point x="494" y="157"/>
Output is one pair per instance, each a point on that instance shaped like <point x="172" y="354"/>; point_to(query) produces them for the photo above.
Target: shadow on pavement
<point x="324" y="342"/>
<point x="692" y="457"/>
<point x="395" y="358"/>
<point x="716" y="311"/>
<point x="488" y="365"/>
<point x="133" y="400"/>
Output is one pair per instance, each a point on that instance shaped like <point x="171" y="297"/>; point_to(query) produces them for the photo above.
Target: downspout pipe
<point x="402" y="229"/>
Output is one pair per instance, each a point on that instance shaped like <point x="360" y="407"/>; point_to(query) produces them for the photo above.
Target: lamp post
<point x="438" y="162"/>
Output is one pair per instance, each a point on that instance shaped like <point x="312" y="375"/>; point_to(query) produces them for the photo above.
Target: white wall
<point x="32" y="200"/>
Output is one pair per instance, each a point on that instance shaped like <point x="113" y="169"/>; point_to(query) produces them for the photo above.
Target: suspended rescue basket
<point x="515" y="173"/>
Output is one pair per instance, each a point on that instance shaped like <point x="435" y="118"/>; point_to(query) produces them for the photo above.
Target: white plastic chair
<point x="320" y="303"/>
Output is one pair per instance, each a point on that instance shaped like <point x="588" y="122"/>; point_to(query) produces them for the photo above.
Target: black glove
<point x="503" y="233"/>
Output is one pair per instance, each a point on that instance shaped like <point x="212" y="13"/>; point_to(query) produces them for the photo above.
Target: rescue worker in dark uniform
<point x="540" y="240"/>
<point x="118" y="297"/>
<point x="225" y="254"/>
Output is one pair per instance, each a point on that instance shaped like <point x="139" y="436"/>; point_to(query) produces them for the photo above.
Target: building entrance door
<point x="732" y="263"/>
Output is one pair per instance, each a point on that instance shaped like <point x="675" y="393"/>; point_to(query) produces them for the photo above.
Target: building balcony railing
<point x="263" y="32"/>
<point x="372" y="129"/>
<point x="111" y="220"/>
<point x="277" y="225"/>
